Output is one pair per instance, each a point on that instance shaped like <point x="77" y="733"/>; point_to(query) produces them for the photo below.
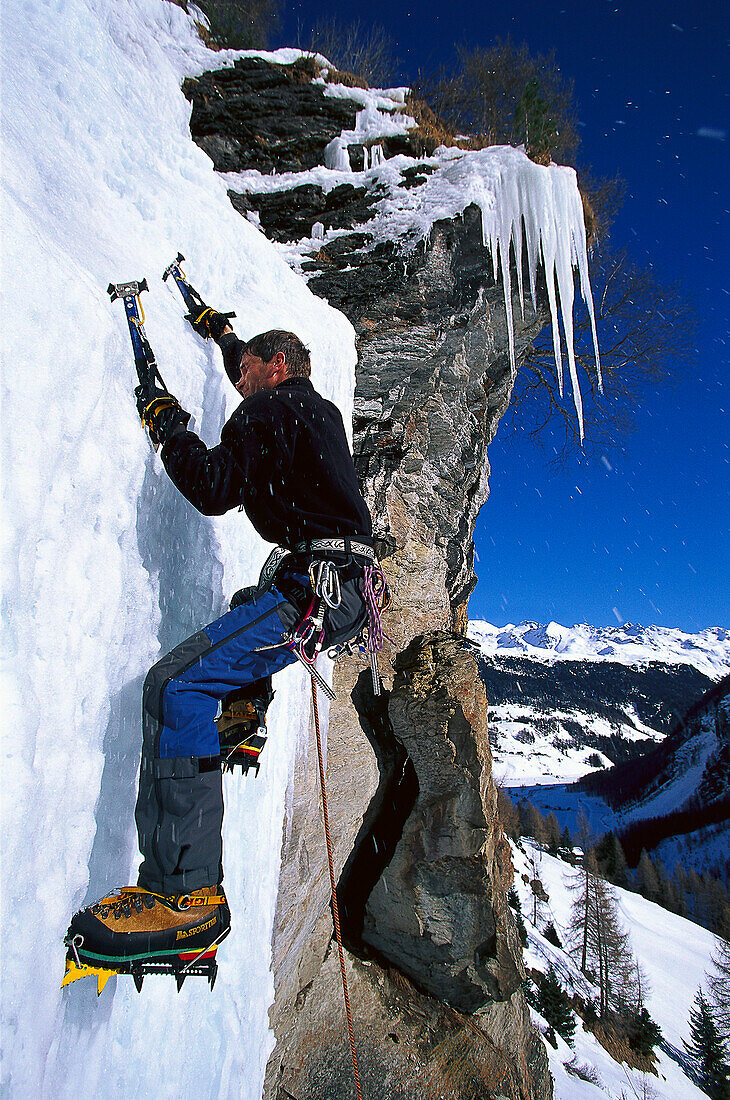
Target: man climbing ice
<point x="283" y="456"/>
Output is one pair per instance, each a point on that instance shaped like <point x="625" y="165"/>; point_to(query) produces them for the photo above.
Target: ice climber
<point x="283" y="456"/>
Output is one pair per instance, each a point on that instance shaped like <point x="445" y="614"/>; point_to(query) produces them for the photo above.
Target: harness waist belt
<point x="345" y="545"/>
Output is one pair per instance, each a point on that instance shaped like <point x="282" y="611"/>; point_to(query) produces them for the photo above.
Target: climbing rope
<point x="335" y="911"/>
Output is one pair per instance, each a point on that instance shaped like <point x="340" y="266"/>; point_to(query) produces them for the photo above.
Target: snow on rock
<point x="531" y="208"/>
<point x="708" y="650"/>
<point x="105" y="564"/>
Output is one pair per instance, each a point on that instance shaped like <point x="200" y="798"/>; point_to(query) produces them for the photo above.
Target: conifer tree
<point x="708" y="1049"/>
<point x="612" y="859"/>
<point x="720" y="979"/>
<point x="553" y="1004"/>
<point x="604" y="946"/>
<point x="508" y="814"/>
<point x="647" y="878"/>
<point x="532" y="823"/>
<point x="552" y="833"/>
<point x="642" y="1032"/>
<point x="582" y="890"/>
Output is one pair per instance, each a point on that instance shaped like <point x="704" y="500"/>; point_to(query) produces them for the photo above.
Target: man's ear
<point x="281" y="367"/>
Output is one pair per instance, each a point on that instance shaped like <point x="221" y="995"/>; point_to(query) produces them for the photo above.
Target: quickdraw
<point x="369" y="642"/>
<point x="306" y="641"/>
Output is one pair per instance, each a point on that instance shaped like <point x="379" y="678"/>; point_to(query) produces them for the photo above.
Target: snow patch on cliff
<point x="528" y="210"/>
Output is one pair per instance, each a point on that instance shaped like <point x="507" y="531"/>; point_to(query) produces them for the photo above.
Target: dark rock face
<point x="409" y="1045"/>
<point x="291" y="215"/>
<point x="258" y="115"/>
<point x="264" y="116"/>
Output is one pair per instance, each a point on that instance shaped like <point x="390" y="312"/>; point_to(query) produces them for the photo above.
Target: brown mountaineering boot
<point x="137" y="932"/>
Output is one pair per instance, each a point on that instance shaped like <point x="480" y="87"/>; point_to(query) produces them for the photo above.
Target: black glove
<point x="161" y="413"/>
<point x="208" y="323"/>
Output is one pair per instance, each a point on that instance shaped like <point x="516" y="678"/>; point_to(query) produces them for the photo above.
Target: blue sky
<point x="644" y="534"/>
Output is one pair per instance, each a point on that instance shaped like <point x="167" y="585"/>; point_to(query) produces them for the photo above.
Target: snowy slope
<point x="105" y="566"/>
<point x="675" y="955"/>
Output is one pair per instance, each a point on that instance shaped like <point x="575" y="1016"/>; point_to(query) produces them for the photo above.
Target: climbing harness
<point x="306" y="639"/>
<point x="333" y="886"/>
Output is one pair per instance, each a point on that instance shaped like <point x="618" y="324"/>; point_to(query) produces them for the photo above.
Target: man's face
<point x="257" y="375"/>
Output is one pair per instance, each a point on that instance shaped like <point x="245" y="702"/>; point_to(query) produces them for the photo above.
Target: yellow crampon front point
<point x="74" y="971"/>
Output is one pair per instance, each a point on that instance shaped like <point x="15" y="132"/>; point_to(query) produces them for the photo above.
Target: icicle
<point x="336" y="156"/>
<point x="539" y="209"/>
<point x="376" y="156"/>
<point x="365" y="158"/>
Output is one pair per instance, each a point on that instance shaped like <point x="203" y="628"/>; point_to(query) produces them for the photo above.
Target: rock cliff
<point x="433" y="959"/>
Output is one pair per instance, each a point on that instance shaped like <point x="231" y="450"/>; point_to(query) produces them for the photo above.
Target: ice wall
<point x="105" y="565"/>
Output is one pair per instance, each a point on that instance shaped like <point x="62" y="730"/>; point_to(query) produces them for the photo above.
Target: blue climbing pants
<point x="180" y="803"/>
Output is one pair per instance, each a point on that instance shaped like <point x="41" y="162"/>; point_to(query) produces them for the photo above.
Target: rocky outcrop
<point x="434" y="963"/>
<point x="438" y="909"/>
<point x="434" y="374"/>
<point x="433" y="960"/>
<point x="273" y="118"/>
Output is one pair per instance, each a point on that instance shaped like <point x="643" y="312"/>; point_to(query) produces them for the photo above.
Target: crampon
<point x="242" y="729"/>
<point x="137" y="932"/>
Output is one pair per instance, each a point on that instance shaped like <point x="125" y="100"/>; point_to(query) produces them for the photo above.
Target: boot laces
<point x="122" y="905"/>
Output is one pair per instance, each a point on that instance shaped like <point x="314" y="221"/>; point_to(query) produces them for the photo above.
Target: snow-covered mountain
<point x="708" y="650"/>
<point x="568" y="700"/>
<point x="567" y="703"/>
<point x="665" y="945"/>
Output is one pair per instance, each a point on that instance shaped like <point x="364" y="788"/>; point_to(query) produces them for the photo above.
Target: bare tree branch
<point x="646" y="333"/>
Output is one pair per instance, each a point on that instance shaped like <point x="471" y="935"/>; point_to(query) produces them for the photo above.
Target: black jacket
<point x="284" y="457"/>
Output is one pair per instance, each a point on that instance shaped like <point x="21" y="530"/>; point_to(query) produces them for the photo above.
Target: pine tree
<point x="508" y="814"/>
<point x="708" y="1049"/>
<point x="552" y="831"/>
<point x="642" y="1032"/>
<point x="566" y="842"/>
<point x="554" y="1006"/>
<point x="647" y="878"/>
<point x="532" y="823"/>
<point x="612" y="859"/>
<point x="604" y="946"/>
<point x="551" y="935"/>
<point x="516" y="906"/>
<point x="581" y="887"/>
<point x="720" y="979"/>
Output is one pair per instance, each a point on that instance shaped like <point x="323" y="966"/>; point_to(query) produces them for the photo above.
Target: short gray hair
<point x="267" y="344"/>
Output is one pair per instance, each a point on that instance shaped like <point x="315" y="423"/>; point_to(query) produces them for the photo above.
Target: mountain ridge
<point x="631" y="644"/>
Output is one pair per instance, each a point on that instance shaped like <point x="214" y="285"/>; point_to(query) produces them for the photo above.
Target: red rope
<point x="335" y="911"/>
